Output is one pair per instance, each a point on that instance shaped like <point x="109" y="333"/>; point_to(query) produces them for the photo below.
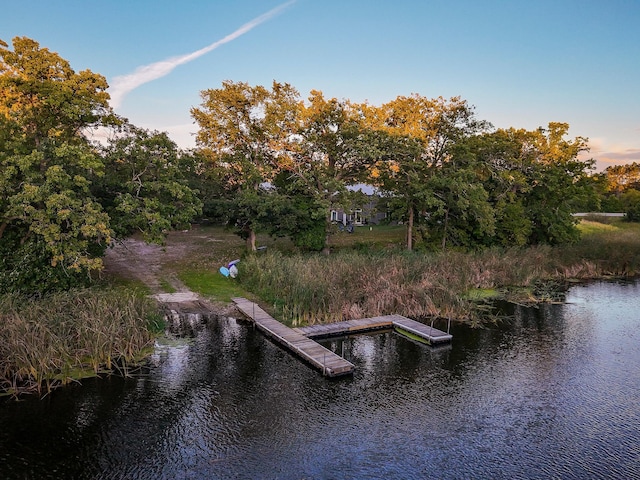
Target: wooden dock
<point x="405" y="326"/>
<point x="348" y="327"/>
<point x="299" y="340"/>
<point x="329" y="363"/>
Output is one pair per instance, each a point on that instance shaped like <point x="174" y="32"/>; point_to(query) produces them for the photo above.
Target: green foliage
<point x="514" y="187"/>
<point x="630" y="201"/>
<point x="207" y="183"/>
<point x="251" y="135"/>
<point x="47" y="165"/>
<point x="26" y="267"/>
<point x="146" y="190"/>
<point x="242" y="134"/>
<point x="311" y="239"/>
<point x="297" y="213"/>
<point x="427" y="132"/>
<point x="461" y="215"/>
<point x="512" y="225"/>
<point x="62" y="198"/>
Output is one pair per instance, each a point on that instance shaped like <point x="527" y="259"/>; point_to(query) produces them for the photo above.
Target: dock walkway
<point x="347" y="327"/>
<point x="329" y="363"/>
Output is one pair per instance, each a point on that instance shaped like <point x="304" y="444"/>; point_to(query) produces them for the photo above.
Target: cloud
<point x="606" y="159"/>
<point x="624" y="156"/>
<point x="122" y="85"/>
<point x="606" y="154"/>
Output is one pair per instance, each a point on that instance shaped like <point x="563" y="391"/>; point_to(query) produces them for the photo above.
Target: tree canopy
<point x="619" y="190"/>
<point x="243" y="134"/>
<point x="443" y="170"/>
<point x="54" y="226"/>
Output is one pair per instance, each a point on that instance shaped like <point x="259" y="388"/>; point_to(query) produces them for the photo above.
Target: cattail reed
<point x="54" y="340"/>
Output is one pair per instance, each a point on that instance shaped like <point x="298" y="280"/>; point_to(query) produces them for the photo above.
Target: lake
<point x="553" y="392"/>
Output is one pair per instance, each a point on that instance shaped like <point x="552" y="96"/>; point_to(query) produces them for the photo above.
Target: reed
<point x="58" y="339"/>
<point x="613" y="249"/>
<point x="351" y="284"/>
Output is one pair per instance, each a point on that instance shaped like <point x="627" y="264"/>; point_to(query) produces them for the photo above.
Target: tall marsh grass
<point x="320" y="289"/>
<point x="354" y="284"/>
<point x="57" y="339"/>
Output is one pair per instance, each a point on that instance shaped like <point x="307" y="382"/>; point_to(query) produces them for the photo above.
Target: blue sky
<point x="520" y="63"/>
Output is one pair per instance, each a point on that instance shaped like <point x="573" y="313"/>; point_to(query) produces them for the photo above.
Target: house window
<point x="334" y="216"/>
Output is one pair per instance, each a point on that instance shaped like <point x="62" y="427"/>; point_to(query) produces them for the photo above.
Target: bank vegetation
<point x="372" y="280"/>
<point x="51" y="341"/>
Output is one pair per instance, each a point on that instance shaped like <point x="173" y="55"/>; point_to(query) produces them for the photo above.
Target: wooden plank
<point x="348" y="327"/>
<point x="322" y="358"/>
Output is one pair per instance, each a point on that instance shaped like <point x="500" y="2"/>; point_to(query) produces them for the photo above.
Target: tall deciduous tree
<point x="503" y="170"/>
<point x="334" y="150"/>
<point x="147" y="189"/>
<point x="243" y="131"/>
<point x="559" y="180"/>
<point x="48" y="219"/>
<point x="436" y="126"/>
<point x="55" y="192"/>
<point x="615" y="187"/>
<point x="535" y="179"/>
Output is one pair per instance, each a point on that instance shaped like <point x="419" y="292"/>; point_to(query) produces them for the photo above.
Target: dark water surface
<point x="554" y="393"/>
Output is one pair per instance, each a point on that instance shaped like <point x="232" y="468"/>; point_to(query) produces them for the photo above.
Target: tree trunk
<point x="444" y="233"/>
<point x="326" y="250"/>
<point x="251" y="240"/>
<point x="410" y="229"/>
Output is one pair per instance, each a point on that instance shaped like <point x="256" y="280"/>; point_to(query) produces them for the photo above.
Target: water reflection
<point x="552" y="393"/>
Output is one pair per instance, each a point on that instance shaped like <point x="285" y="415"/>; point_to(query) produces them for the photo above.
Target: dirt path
<point x="135" y="259"/>
<point x="155" y="266"/>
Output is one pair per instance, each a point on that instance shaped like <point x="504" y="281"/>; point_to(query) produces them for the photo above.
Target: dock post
<point x="324" y="364"/>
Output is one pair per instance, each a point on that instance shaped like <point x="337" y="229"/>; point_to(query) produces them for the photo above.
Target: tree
<point x="146" y="190"/>
<point x="434" y="127"/>
<point x="334" y="149"/>
<point x="620" y="178"/>
<point x="49" y="223"/>
<point x="613" y="183"/>
<point x="461" y="214"/>
<point x="558" y="181"/>
<point x="630" y="201"/>
<point x="243" y="132"/>
<point x="60" y="205"/>
<point x="501" y="168"/>
<point x="297" y="212"/>
<point x="535" y="181"/>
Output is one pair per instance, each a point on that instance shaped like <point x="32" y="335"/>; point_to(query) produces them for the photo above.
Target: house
<point x="368" y="214"/>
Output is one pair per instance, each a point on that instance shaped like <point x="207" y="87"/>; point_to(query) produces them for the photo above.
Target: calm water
<point x="554" y="393"/>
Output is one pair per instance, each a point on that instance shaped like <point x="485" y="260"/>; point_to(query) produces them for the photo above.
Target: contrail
<point x="123" y="84"/>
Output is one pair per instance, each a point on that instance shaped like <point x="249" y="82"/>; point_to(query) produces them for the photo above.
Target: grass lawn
<point x="370" y="235"/>
<point x="212" y="285"/>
